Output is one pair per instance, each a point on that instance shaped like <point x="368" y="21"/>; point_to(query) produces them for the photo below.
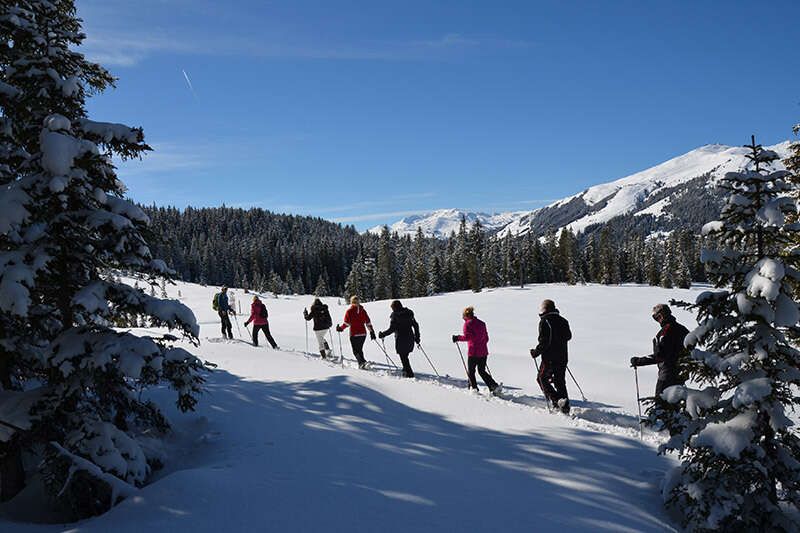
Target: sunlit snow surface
<point x="284" y="441"/>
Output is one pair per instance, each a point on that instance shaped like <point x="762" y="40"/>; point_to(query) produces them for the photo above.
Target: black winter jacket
<point x="667" y="351"/>
<point x="554" y="333"/>
<point x="405" y="328"/>
<point x="321" y="316"/>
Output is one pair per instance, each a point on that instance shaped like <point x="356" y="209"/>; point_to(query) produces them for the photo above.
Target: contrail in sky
<point x="189" y="83"/>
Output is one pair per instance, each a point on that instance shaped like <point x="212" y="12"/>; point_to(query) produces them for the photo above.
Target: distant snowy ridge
<point x="442" y="222"/>
<point x="630" y="195"/>
<point x="662" y="191"/>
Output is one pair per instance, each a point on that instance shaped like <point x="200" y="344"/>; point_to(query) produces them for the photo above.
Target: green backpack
<point x="215" y="302"/>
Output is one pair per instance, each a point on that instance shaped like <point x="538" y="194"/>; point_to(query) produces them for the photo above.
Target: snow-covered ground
<point x="284" y="441"/>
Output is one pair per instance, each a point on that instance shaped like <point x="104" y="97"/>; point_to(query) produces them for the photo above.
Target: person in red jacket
<point x="477" y="339"/>
<point x="357" y="319"/>
<point x="258" y="316"/>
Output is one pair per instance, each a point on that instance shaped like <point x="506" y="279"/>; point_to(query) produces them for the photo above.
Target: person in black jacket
<point x="554" y="333"/>
<point x="406" y="334"/>
<point x="667" y="349"/>
<point x="322" y="324"/>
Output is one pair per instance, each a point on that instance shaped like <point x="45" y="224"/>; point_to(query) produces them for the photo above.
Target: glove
<point x="339" y="328"/>
<point x="381" y="335"/>
<point x="534" y="354"/>
<point x="372" y="334"/>
<point x="416" y="340"/>
<point x="246" y="323"/>
<point x="455" y="338"/>
<point x="305" y="313"/>
<point x="635" y="361"/>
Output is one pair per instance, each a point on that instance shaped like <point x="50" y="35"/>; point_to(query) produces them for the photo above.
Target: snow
<point x="751" y="391"/>
<point x="285" y="439"/>
<point x="15" y="407"/>
<point x="442" y="222"/>
<point x="764" y="280"/>
<point x="59" y="152"/>
<point x="728" y="438"/>
<point x="657" y="209"/>
<point x="12" y="208"/>
<point x="607" y="200"/>
<point x="697" y="401"/>
<point x="712" y="227"/>
<point x="109" y="131"/>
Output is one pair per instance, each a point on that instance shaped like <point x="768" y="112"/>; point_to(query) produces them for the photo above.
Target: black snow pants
<point x="407" y="372"/>
<point x="265" y="329"/>
<point x="667" y="381"/>
<point x="227" y="332"/>
<point x="357" y="343"/>
<point x="480" y="364"/>
<point x="552" y="380"/>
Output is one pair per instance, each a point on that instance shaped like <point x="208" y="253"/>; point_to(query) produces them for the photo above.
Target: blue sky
<point x="364" y="111"/>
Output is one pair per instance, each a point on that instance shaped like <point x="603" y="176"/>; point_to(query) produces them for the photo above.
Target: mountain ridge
<point x="641" y="194"/>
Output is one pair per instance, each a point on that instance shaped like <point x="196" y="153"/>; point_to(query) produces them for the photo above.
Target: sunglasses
<point x="656" y="316"/>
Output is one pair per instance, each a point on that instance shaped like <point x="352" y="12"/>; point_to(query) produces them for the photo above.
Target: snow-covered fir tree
<point x="739" y="451"/>
<point x="64" y="226"/>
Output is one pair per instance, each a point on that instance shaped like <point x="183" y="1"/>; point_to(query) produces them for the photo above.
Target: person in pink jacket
<point x="477" y="339"/>
<point x="259" y="316"/>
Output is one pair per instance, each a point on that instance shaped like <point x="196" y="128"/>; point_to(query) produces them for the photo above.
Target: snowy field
<point x="284" y="441"/>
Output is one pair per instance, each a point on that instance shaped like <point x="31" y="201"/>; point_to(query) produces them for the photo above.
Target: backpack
<point x="215" y="302"/>
<point x="263" y="311"/>
<point x="325" y="318"/>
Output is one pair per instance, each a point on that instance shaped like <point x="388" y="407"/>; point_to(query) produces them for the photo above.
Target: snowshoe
<point x="498" y="391"/>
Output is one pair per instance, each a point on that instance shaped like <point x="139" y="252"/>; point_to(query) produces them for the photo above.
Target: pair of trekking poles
<point x="382" y="347"/>
<point x="535" y="362"/>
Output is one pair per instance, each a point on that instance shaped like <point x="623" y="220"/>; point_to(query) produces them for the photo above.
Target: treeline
<point x="390" y="266"/>
<point x="288" y="254"/>
<point x="254" y="248"/>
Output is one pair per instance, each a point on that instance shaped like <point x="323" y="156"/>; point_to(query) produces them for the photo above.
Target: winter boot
<point x="498" y="390"/>
<point x="563" y="405"/>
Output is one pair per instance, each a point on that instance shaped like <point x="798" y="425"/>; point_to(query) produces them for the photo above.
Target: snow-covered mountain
<point x="442" y="222"/>
<point x="677" y="193"/>
<point x="662" y="191"/>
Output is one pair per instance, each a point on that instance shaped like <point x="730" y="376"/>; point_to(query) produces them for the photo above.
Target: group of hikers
<point x="554" y="334"/>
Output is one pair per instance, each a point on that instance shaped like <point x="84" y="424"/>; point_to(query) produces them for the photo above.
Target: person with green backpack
<point x="223" y="308"/>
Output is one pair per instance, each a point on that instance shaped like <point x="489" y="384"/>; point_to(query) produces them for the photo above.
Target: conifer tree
<point x="385" y="269"/>
<point x="64" y="226"/>
<point x="421" y="261"/>
<point x="474" y="252"/>
<point x="434" y="278"/>
<point x="322" y="287"/>
<point x="737" y="447"/>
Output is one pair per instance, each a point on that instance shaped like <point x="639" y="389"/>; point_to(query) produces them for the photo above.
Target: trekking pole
<point x="306" y="336"/>
<point x="429" y="359"/>
<point x="638" y="402"/>
<point x="576" y="383"/>
<point x="383" y="349"/>
<point x="238" y="329"/>
<point x="341" y="353"/>
<point x="463" y="362"/>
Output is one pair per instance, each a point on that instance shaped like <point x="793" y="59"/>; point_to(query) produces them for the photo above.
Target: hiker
<point x="406" y="333"/>
<point x="259" y="317"/>
<point x="477" y="339"/>
<point x="357" y="319"/>
<point x="322" y="324"/>
<point x="223" y="308"/>
<point x="667" y="349"/>
<point x="554" y="333"/>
